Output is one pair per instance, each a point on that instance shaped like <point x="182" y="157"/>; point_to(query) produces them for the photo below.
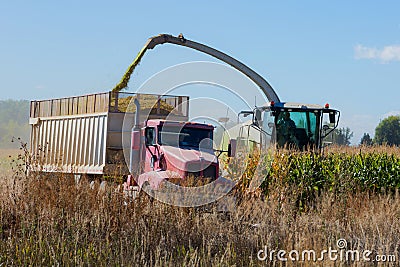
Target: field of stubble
<point x="307" y="202"/>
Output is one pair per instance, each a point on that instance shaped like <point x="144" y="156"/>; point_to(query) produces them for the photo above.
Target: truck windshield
<point x="185" y="137"/>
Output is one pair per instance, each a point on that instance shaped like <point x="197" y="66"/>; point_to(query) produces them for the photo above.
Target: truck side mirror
<point x="153" y="160"/>
<point x="257" y="118"/>
<point x="332" y="117"/>
<point x="149" y="136"/>
<point x="232" y="148"/>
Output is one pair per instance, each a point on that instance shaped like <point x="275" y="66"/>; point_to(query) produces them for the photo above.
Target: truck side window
<point x="150" y="136"/>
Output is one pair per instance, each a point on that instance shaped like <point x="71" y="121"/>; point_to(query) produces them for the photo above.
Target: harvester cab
<point x="296" y="125"/>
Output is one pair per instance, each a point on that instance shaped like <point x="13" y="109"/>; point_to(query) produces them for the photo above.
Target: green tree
<point x="388" y="131"/>
<point x="342" y="136"/>
<point x="366" y="140"/>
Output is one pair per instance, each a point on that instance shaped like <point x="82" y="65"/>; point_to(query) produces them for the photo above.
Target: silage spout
<point x="127" y="76"/>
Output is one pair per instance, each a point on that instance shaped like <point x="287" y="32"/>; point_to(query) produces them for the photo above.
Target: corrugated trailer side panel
<point x="74" y="143"/>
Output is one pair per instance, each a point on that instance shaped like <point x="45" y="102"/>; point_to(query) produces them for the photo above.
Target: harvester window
<point x="268" y="122"/>
<point x="286" y="129"/>
<point x="296" y="128"/>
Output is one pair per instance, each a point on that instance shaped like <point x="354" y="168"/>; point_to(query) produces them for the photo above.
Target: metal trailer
<point x="84" y="134"/>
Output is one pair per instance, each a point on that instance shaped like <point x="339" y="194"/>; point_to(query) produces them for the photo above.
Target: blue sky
<point x="346" y="53"/>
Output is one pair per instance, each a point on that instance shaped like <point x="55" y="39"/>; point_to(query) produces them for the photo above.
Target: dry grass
<point x="54" y="222"/>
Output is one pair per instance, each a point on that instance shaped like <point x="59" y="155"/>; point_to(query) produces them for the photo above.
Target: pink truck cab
<point x="175" y="149"/>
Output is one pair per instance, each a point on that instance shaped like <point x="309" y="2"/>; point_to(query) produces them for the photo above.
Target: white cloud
<point x="386" y="54"/>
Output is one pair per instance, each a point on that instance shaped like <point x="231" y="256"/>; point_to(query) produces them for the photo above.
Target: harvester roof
<point x="293" y="105"/>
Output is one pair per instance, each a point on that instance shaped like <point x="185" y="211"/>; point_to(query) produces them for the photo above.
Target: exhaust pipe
<point x="135" y="141"/>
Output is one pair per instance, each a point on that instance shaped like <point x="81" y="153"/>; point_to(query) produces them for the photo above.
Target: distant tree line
<point x="341" y="136"/>
<point x="387" y="132"/>
<point x="14" y="117"/>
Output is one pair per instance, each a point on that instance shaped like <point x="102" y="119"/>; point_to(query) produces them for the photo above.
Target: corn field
<point x="355" y="170"/>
